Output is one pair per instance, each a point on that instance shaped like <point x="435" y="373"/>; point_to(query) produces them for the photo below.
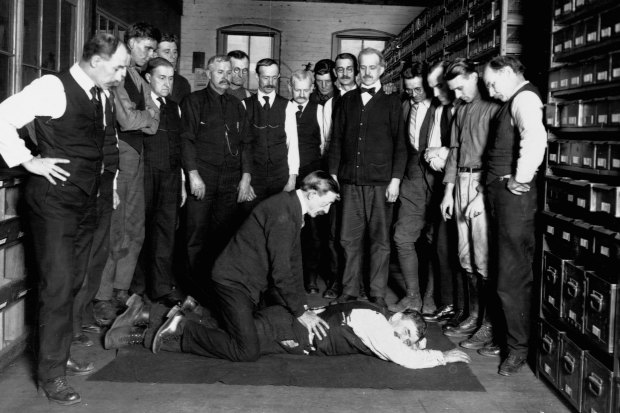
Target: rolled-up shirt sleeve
<point x="527" y="114"/>
<point x="378" y="335"/>
<point x="43" y="97"/>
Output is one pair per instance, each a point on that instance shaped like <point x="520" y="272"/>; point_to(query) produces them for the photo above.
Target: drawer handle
<point x="596" y="301"/>
<point x="568" y="363"/>
<point x="547" y="344"/>
<point x="552" y="274"/>
<point x="572" y="288"/>
<point x="595" y="384"/>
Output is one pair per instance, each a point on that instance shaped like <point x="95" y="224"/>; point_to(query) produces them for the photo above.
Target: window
<point x="108" y="24"/>
<point x="7" y="54"/>
<point x="49" y="37"/>
<point x="353" y="41"/>
<point x="258" y="42"/>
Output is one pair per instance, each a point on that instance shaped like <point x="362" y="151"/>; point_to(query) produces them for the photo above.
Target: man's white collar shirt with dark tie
<point x="261" y="98"/>
<point x="367" y="96"/>
<point x="416" y="118"/>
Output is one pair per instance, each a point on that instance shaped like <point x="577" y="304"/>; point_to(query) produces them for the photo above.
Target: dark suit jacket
<point x="368" y="142"/>
<point x="267" y="248"/>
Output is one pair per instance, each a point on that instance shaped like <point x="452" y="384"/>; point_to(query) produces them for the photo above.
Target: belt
<point x="470" y="170"/>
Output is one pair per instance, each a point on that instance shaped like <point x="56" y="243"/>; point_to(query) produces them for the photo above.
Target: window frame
<point x="358" y="34"/>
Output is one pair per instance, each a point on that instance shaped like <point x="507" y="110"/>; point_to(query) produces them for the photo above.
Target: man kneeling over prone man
<point x="354" y="327"/>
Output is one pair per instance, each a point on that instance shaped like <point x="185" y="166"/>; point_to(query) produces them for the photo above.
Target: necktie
<point x="300" y="110"/>
<point x="162" y="102"/>
<point x="266" y="107"/>
<point x="96" y="99"/>
<point x="109" y="110"/>
<point x="370" y="90"/>
<point x="444" y="122"/>
<point x="412" y="125"/>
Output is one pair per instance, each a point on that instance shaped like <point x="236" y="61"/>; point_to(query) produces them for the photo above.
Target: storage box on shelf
<point x="581" y="225"/>
<point x="13" y="282"/>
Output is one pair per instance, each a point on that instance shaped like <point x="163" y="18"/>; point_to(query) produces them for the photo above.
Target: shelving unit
<point x="579" y="326"/>
<point x="14" y="285"/>
<point x="476" y="29"/>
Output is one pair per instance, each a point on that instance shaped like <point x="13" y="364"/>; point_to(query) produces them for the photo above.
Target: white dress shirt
<point x="367" y="96"/>
<point x="527" y="115"/>
<point x="414" y="135"/>
<point x="43" y="97"/>
<point x="319" y="118"/>
<point x="290" y="128"/>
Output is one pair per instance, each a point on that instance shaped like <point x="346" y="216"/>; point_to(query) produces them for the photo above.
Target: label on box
<point x="568" y="7"/>
<point x="605" y="32"/>
<point x="554" y="84"/>
<point x="553" y="157"/>
<point x="591" y="37"/>
<point x="581" y="202"/>
<point x="3" y="241"/>
<point x="572" y="120"/>
<point x="568" y="390"/>
<point x="572" y="315"/>
<point x="615" y="117"/>
<point x="564" y="158"/>
<point x="564" y="82"/>
<point x="615" y="72"/>
<point x="615" y="163"/>
<point x="579" y="40"/>
<point x="602" y="118"/>
<point x="617" y="27"/>
<point x="587" y="161"/>
<point x="583" y="242"/>
<point x="604" y="251"/>
<point x="575" y="160"/>
<point x="547" y="369"/>
<point x="566" y="236"/>
<point x="551" y="300"/>
<point x="550" y="230"/>
<point x="601" y="163"/>
<point x="606" y="207"/>
<point x="570" y="197"/>
<point x="558" y="11"/>
<point x="579" y="3"/>
<point x="596" y="331"/>
<point x="601" y="75"/>
<point x="574" y="80"/>
<point x="587" y="77"/>
<point x="568" y="44"/>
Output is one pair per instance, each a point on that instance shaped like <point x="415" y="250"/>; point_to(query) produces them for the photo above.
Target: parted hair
<point x="238" y="54"/>
<point x="156" y="62"/>
<point x="265" y="63"/>
<point x="351" y="57"/>
<point x="218" y="58"/>
<point x="460" y="66"/>
<point x="499" y="62"/>
<point x="300" y="75"/>
<point x="321" y="182"/>
<point x="101" y="44"/>
<point x="372" y="50"/>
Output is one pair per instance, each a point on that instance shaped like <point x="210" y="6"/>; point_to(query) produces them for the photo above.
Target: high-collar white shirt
<point x="367" y="96"/>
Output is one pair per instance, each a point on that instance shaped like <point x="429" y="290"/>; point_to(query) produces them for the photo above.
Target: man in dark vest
<point x="324" y="79"/>
<point x="416" y="188"/>
<point x="217" y="155"/>
<point x="264" y="252"/>
<point x="274" y="136"/>
<point x="163" y="189"/>
<point x="68" y="110"/>
<point x="368" y="156"/>
<point x="513" y="155"/>
<point x="168" y="48"/>
<point x="311" y="143"/>
<point x="240" y="63"/>
<point x="137" y="114"/>
<point x="354" y="328"/>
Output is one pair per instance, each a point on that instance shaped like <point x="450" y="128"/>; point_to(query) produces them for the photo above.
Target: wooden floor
<point x="523" y="393"/>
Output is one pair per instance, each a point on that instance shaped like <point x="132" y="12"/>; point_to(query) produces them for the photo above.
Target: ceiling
<point x="411" y="3"/>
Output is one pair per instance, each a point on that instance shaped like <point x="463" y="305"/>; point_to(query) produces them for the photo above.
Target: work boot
<point x="58" y="390"/>
<point x="470" y="324"/>
<point x="123" y="336"/>
<point x="490" y="350"/>
<point x="513" y="364"/>
<point x="457" y="318"/>
<point x="411" y="301"/>
<point x="481" y="338"/>
<point x="135" y="314"/>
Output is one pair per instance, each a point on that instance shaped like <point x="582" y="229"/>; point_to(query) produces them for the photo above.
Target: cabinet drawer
<point x="570" y="371"/>
<point x="597" y="386"/>
<point x="600" y="311"/>
<point x="548" y="351"/>
<point x="573" y="299"/>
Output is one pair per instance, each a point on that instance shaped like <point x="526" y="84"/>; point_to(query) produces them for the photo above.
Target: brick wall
<point x="306" y="28"/>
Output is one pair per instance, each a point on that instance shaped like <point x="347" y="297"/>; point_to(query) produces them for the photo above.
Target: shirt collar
<point x="155" y="97"/>
<point x="376" y="86"/>
<point x="342" y="91"/>
<point x="519" y="86"/>
<point x="302" y="200"/>
<point x="426" y="103"/>
<point x="272" y="97"/>
<point x="82" y="78"/>
<point x="303" y="105"/>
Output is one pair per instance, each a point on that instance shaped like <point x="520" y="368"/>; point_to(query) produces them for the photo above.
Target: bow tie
<point x="370" y="90"/>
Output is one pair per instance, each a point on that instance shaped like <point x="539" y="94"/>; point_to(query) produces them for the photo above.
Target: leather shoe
<point x="136" y="313"/>
<point x="75" y="368"/>
<point x="104" y="312"/>
<point x="123" y="336"/>
<point x="344" y="298"/>
<point x="174" y="297"/>
<point x="362" y="295"/>
<point x="379" y="301"/>
<point x="189" y="305"/>
<point x="492" y="350"/>
<point x="332" y="292"/>
<point x="82" y="340"/>
<point x="481" y="338"/>
<point x="408" y="302"/>
<point x="443" y="313"/>
<point x="512" y="364"/>
<point x="312" y="289"/>
<point x="58" y="390"/>
<point x="465" y="329"/>
<point x="170" y="330"/>
<point x="458" y="317"/>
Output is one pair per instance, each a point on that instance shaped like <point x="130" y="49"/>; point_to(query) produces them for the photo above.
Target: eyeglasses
<point x="341" y="70"/>
<point x="236" y="71"/>
<point x="416" y="90"/>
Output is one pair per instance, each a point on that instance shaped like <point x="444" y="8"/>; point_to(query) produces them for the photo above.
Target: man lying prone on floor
<point x="354" y="327"/>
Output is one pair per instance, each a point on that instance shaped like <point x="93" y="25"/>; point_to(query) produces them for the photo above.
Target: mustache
<point x="346" y="77"/>
<point x="224" y="82"/>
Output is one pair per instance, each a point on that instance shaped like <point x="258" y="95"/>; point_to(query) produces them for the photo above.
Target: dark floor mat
<point x="136" y="364"/>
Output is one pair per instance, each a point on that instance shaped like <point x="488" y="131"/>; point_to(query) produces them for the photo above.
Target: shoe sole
<point x="135" y="298"/>
<point x="458" y="335"/>
<point x="473" y="346"/>
<point x="156" y="347"/>
<point x="82" y="373"/>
